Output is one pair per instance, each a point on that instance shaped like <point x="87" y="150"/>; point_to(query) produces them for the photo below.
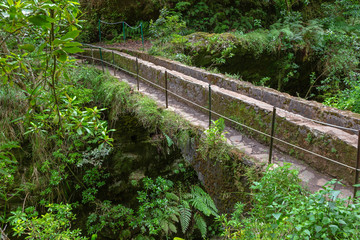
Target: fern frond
<point x="202" y="201"/>
<point x="185" y="217"/>
<point x="187" y="196"/>
<point x="165" y="226"/>
<point x="185" y="203"/>
<point x="172" y="228"/>
<point x="174" y="218"/>
<point x="199" y="204"/>
<point x="200" y="224"/>
<point x="172" y="196"/>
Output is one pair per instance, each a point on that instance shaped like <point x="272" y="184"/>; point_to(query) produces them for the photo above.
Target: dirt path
<point x="312" y="179"/>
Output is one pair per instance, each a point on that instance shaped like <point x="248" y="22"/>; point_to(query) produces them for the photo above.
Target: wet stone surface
<point x="311" y="178"/>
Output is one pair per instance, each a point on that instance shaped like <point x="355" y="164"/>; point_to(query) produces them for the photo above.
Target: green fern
<point x="203" y="202"/>
<point x="164" y="224"/>
<point x="200" y="224"/>
<point x="172" y="228"/>
<point x="171" y="196"/>
<point x="185" y="218"/>
<point x="174" y="217"/>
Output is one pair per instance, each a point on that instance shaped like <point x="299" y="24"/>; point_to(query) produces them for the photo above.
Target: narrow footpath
<point x="311" y="178"/>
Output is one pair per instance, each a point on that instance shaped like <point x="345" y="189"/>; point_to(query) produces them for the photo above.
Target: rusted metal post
<point x="113" y="58"/>
<point x="272" y="134"/>
<point x="137" y="74"/>
<point x="209" y="105"/>
<point x="102" y="62"/>
<point x="166" y="90"/>
<point x="357" y="165"/>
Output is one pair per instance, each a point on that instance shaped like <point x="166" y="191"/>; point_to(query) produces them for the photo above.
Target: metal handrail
<point x="357" y="170"/>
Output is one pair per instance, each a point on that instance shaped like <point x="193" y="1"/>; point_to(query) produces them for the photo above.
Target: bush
<point x="281" y="208"/>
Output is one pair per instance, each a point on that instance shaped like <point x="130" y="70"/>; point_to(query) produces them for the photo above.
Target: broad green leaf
<point x="61" y="55"/>
<point x="334" y="194"/>
<point x="72" y="49"/>
<point x="72" y="44"/>
<point x="342" y="222"/>
<point x="28" y="47"/>
<point x="70" y="35"/>
<point x="276" y="215"/>
<point x="333" y="228"/>
<point x="40" y="20"/>
<point x="318" y="228"/>
<point x="57" y="42"/>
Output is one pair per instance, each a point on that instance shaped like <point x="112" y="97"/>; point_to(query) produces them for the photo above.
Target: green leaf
<point x="40" y="20"/>
<point x="276" y="215"/>
<point x="342" y="222"/>
<point x="70" y="35"/>
<point x="72" y="49"/>
<point x="307" y="232"/>
<point x="334" y="194"/>
<point x="318" y="228"/>
<point x="72" y="44"/>
<point x="61" y="55"/>
<point x="27" y="47"/>
<point x="333" y="229"/>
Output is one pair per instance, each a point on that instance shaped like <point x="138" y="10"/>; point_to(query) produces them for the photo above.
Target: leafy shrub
<point x="55" y="224"/>
<point x="213" y="145"/>
<point x="281" y="208"/>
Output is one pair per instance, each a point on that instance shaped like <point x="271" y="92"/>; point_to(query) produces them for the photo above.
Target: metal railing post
<point x="272" y="134"/>
<point x="209" y="105"/>
<point x="113" y="61"/>
<point x="137" y="74"/>
<point x="357" y="165"/>
<point x="102" y="61"/>
<point x="166" y="90"/>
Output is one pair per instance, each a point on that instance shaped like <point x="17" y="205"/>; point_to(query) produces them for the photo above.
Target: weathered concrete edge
<point x="255" y="115"/>
<point x="309" y="109"/>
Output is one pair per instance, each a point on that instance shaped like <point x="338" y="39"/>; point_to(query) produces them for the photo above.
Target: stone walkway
<point x="311" y="178"/>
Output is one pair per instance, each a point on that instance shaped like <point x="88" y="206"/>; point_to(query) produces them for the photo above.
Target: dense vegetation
<point x="306" y="48"/>
<point x="56" y="115"/>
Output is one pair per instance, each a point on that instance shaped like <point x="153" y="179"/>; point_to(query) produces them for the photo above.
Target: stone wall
<point x="309" y="109"/>
<point x="290" y="127"/>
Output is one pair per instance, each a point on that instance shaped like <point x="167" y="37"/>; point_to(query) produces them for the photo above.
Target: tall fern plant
<point x="195" y="206"/>
<point x="162" y="210"/>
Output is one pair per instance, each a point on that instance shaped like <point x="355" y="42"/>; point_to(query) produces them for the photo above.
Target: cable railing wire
<point x="326" y="124"/>
<point x="114" y="23"/>
<point x="227" y="118"/>
<point x="313" y="120"/>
